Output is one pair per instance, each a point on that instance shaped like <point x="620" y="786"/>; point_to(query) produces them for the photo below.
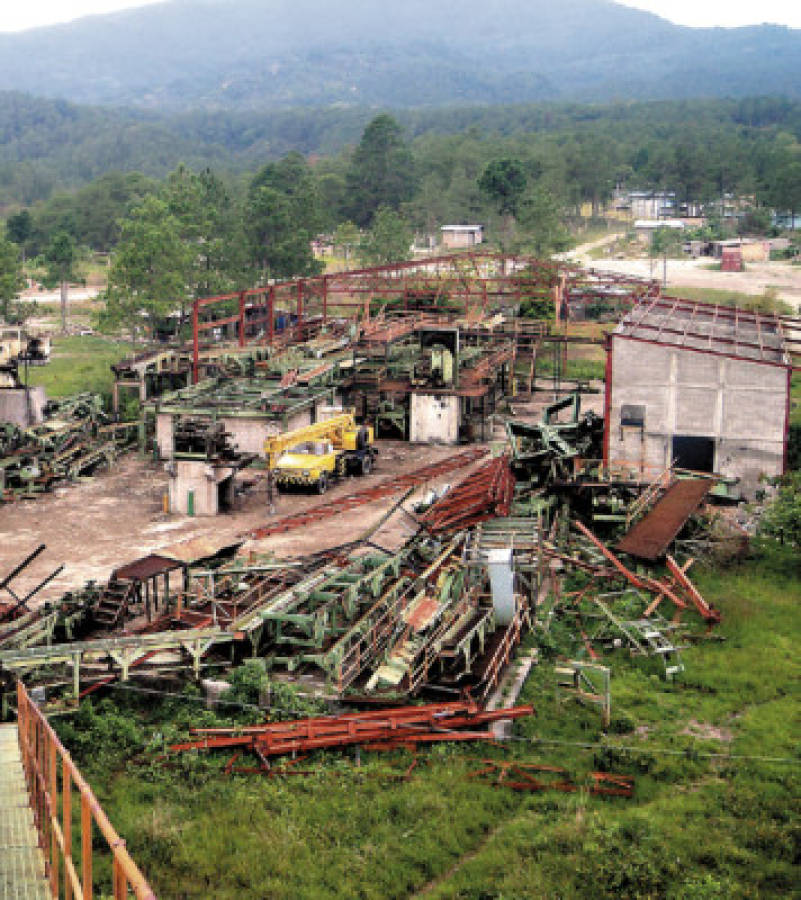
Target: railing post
<point x="52" y="771"/>
<point x="66" y="819"/>
<point x="86" y="847"/>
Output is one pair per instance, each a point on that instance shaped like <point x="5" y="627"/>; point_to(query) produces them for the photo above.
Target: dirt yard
<point x="783" y="278"/>
<point x="116" y="517"/>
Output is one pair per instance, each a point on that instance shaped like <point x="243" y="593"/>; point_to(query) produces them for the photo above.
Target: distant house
<point x="651" y="204"/>
<point x="457" y="237"/>
<point x="748" y="250"/>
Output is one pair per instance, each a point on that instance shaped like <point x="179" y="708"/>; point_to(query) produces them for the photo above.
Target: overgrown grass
<point x="699" y="826"/>
<point x="79" y="364"/>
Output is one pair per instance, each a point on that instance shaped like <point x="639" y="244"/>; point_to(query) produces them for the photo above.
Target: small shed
<point x="459" y="237"/>
<point x="731" y="259"/>
<point x="702" y="387"/>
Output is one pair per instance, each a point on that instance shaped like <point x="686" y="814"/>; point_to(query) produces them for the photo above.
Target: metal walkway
<point x="651" y="536"/>
<point x="22" y="864"/>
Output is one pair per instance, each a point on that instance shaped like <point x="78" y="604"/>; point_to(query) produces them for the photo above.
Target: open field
<point x="79" y="363"/>
<point x="782" y="278"/>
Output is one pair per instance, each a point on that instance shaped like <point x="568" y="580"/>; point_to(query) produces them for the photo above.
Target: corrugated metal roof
<point x="146" y="567"/>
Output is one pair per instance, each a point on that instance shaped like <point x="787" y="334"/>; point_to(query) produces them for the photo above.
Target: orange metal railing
<point x="53" y="779"/>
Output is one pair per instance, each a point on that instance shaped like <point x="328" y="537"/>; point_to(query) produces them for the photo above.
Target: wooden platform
<point x="22" y="865"/>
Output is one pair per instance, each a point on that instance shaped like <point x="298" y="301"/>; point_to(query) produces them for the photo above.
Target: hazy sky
<point x="723" y="12"/>
<point x="16" y="16"/>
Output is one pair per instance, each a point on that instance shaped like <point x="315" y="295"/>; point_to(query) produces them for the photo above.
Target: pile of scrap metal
<point x="17" y="346"/>
<point x="354" y="620"/>
<point x="75" y="440"/>
<point x="201" y="439"/>
<point x="552" y="451"/>
<point x="484" y="494"/>
<point x="609" y="606"/>
<point x="386" y="624"/>
<point x="381" y="729"/>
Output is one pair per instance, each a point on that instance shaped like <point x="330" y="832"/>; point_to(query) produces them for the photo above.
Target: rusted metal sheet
<point x="197" y="549"/>
<point x="422" y="613"/>
<point x="146" y="567"/>
<point x="652" y="535"/>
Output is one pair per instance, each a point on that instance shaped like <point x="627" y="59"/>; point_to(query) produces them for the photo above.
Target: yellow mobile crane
<point x="315" y="455"/>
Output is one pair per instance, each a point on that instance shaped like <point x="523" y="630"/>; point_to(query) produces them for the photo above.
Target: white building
<point x="458" y="237"/>
<point x="701" y="387"/>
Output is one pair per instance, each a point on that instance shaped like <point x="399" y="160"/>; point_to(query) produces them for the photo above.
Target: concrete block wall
<point x="740" y="405"/>
<point x="21" y="410"/>
<point x="434" y="419"/>
<point x="197" y="478"/>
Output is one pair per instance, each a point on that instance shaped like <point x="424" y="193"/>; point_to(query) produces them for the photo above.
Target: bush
<point x="782" y="518"/>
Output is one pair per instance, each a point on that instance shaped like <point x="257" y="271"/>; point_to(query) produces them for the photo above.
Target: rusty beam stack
<point x="382" y="729"/>
<point x="484" y="494"/>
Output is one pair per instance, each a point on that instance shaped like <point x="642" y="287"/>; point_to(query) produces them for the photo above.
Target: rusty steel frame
<point x="44" y="759"/>
<point x="531" y="777"/>
<point x="494" y="667"/>
<point x="677" y="587"/>
<point x="477" y="278"/>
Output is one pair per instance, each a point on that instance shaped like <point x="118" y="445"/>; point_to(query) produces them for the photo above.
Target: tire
<point x="366" y="465"/>
<point x="322" y="484"/>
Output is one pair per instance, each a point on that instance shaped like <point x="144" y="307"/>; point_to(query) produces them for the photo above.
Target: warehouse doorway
<point x="694" y="453"/>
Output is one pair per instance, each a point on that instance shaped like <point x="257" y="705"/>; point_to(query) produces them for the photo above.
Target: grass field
<point x="715" y="814"/>
<point x="79" y="364"/>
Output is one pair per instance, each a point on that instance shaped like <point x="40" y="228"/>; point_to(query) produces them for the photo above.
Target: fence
<point x="53" y="779"/>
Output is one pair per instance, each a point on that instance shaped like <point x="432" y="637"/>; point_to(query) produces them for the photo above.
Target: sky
<point x="17" y="16"/>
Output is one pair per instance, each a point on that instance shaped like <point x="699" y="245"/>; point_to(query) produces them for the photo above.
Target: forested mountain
<point x="272" y="54"/>
<point x="51" y="145"/>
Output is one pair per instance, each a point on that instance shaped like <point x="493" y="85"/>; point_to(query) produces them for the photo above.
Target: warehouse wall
<point x="434" y="419"/>
<point x="194" y="489"/>
<point x="739" y="405"/>
<point x="20" y="408"/>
